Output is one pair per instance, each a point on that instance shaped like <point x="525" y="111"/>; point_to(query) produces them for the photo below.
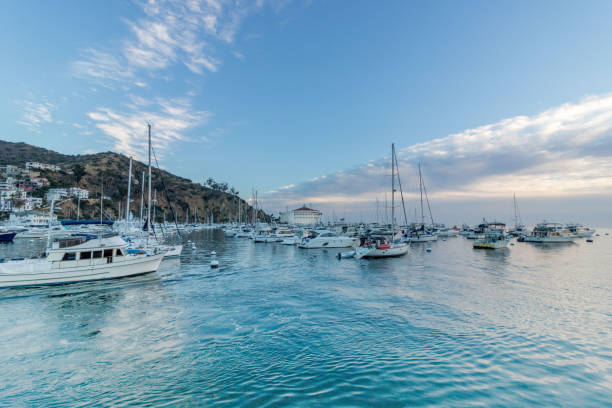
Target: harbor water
<point x="277" y="325"/>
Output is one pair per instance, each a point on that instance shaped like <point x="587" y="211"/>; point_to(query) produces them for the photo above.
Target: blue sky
<point x="301" y="99"/>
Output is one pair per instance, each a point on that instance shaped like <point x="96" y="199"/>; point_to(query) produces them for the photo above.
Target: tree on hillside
<point x="78" y="172"/>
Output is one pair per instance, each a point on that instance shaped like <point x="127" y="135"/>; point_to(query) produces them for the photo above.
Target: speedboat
<point x="549" y="232"/>
<point x="327" y="239"/>
<point x="78" y="259"/>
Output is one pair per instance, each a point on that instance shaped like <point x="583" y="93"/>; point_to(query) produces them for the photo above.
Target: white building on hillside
<point x="301" y="216"/>
<point x="42" y="166"/>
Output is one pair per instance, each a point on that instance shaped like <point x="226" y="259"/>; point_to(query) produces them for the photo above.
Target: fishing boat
<point x="78" y="259"/>
<point x="549" y="232"/>
<point x="381" y="247"/>
<point x="494" y="237"/>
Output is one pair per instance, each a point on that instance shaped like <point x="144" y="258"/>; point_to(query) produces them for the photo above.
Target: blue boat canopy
<point x="86" y="222"/>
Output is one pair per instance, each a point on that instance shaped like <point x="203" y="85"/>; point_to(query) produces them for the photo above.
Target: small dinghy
<point x="214" y="262"/>
<point x="348" y="254"/>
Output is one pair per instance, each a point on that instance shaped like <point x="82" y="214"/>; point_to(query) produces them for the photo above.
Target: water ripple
<point x="277" y="325"/>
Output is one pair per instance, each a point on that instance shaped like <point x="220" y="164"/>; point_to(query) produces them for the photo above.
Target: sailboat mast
<point x="392" y="191"/>
<point x="149" y="192"/>
<point x="127" y="204"/>
<point x="101" y="199"/>
<point x="421" y="188"/>
<point x="142" y="187"/>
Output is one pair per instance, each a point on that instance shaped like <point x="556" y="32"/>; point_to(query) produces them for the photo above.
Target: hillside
<point x="110" y="171"/>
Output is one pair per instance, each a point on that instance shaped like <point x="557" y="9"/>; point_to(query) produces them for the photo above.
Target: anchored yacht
<point x="494" y="236"/>
<point x="549" y="232"/>
<point x="78" y="259"/>
<point x="327" y="239"/>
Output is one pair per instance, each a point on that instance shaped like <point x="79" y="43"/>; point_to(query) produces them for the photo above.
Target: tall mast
<point x="392" y="191"/>
<point x="127" y="204"/>
<point x="421" y="188"/>
<point x="101" y="199"/>
<point x="149" y="193"/>
<point x="142" y="187"/>
<point x="154" y="204"/>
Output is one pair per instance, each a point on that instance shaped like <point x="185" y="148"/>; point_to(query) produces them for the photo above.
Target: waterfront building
<point x="301" y="216"/>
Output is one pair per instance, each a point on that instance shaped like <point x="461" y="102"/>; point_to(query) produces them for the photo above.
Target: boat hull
<point x="41" y="272"/>
<point x="7" y="236"/>
<point x="548" y="240"/>
<point x="394" y="251"/>
<point x="490" y="245"/>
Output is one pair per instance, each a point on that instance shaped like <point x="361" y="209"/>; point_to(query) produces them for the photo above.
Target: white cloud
<point x="564" y="151"/>
<point x="169" y="32"/>
<point x="35" y="114"/>
<point x="170" y="120"/>
<point x="102" y="67"/>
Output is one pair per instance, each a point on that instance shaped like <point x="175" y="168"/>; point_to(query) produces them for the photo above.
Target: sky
<point x="301" y="100"/>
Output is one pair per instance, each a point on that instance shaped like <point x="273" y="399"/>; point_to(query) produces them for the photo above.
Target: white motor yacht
<point x="78" y="259"/>
<point x="327" y="239"/>
<point x="549" y="232"/>
<point x="580" y="230"/>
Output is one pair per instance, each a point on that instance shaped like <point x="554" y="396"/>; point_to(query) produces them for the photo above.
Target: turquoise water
<point x="278" y="325"/>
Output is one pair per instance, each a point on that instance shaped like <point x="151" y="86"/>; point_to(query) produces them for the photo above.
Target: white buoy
<point x="214" y="263"/>
<point x="427" y="249"/>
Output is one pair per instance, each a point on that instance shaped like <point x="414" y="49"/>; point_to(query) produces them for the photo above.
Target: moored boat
<point x="549" y="232"/>
<point x="78" y="259"/>
<point x="494" y="237"/>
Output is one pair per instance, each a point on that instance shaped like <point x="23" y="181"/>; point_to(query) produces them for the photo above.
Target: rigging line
<point x="401" y="192"/>
<point x="427" y="199"/>
<point x="178" y="231"/>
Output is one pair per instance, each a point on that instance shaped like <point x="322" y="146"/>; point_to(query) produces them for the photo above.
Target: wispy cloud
<point x="169" y="32"/>
<point x="170" y="119"/>
<point x="564" y="151"/>
<point x="35" y="114"/>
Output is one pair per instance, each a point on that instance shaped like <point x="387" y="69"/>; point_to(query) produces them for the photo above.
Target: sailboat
<point x="519" y="227"/>
<point x="82" y="258"/>
<point x="378" y="247"/>
<point x="150" y="242"/>
<point x="419" y="233"/>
